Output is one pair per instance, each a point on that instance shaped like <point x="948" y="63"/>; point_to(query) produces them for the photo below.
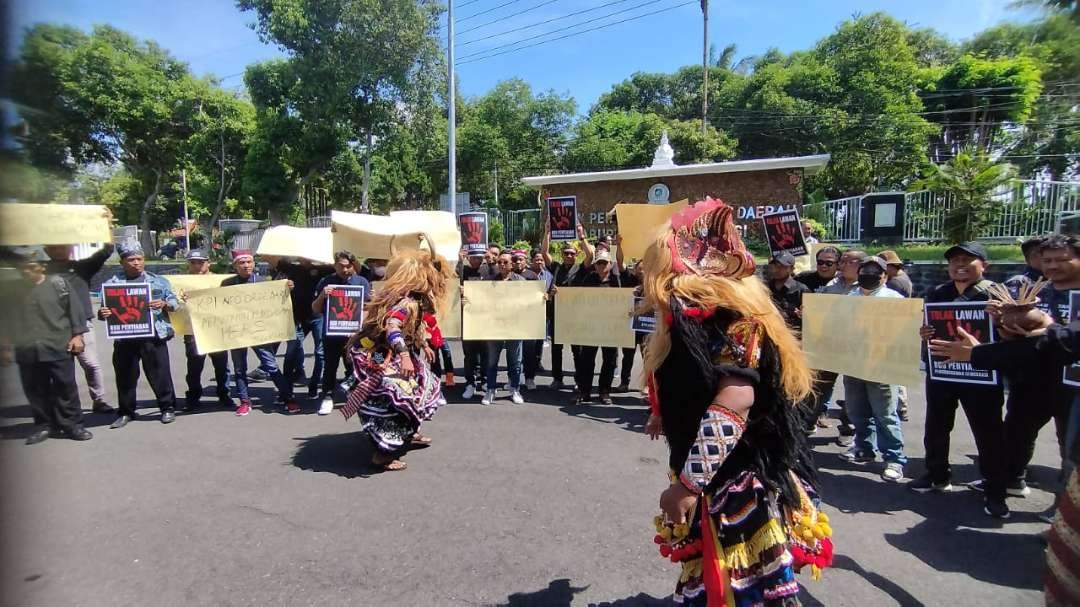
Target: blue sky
<point x="214" y="37"/>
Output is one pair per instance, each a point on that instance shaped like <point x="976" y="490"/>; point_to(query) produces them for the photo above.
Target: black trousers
<point x="196" y="363"/>
<point x="531" y="351"/>
<point x="586" y="365"/>
<point x="334" y="347"/>
<point x="154" y="355"/>
<point x="982" y="406"/>
<point x="54" y="397"/>
<point x="627" y="366"/>
<point x="1030" y="405"/>
<point x="556" y="360"/>
<point x="476" y="362"/>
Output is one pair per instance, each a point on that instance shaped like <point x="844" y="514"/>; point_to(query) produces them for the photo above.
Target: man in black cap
<point x="199" y="263"/>
<point x="981" y="403"/>
<point x="786" y="291"/>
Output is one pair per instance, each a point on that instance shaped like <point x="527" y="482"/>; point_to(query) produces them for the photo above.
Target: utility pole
<point x="187" y="226"/>
<point x="365" y="199"/>
<point x="705" y="66"/>
<point x="496" y="184"/>
<point x="452" y="142"/>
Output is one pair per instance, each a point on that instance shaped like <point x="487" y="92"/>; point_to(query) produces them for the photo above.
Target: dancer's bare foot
<point x="419" y="440"/>
<point x="388" y="463"/>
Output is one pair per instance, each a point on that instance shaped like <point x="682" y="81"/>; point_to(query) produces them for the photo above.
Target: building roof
<point x="810" y="164"/>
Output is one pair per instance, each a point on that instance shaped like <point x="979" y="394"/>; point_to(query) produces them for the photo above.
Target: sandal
<point x="419" y="441"/>
<point x="392" y="465"/>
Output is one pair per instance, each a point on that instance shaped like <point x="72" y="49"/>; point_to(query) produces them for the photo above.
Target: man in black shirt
<point x="828" y="260"/>
<point x="600" y="276"/>
<point x="305" y="276"/>
<point x="564" y="274"/>
<point x="786" y="292"/>
<point x="981" y="403"/>
<point x="79" y="274"/>
<point x="475" y="365"/>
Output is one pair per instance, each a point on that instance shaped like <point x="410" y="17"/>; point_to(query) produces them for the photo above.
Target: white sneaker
<point x="516" y="397"/>
<point x="442" y="401"/>
<point x="488" y="397"/>
<point x="893" y="472"/>
<point x="326" y="407"/>
<point x="469" y="392"/>
<point x="530" y="384"/>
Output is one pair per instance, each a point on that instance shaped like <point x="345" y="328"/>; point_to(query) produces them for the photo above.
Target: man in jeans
<point x="872" y="405"/>
<point x="199" y="263"/>
<point x="504" y="271"/>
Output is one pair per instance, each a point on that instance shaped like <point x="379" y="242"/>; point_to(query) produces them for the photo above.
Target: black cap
<point x="197" y="255"/>
<point x="783" y="258"/>
<point x="874" y="260"/>
<point x="974" y="249"/>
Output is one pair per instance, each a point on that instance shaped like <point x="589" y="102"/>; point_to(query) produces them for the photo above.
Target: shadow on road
<point x="559" y="593"/>
<point x="347" y="455"/>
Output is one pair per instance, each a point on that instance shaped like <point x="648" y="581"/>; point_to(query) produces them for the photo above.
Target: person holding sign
<point x="334" y="342"/>
<point x="728" y="373"/>
<point x="199" y="264"/>
<point x="600" y="276"/>
<point x="505" y="271"/>
<point x="392" y="386"/>
<point x="563" y="274"/>
<point x="42" y="332"/>
<point x="152" y="351"/>
<point x="474" y="267"/>
<point x="981" y="400"/>
<point x="786" y="292"/>
<point x="244" y="266"/>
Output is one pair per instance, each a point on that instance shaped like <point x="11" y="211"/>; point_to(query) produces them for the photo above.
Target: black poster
<point x="784" y="232"/>
<point x="474" y="232"/>
<point x="641" y="324"/>
<point x="1072" y="372"/>
<point x="562" y="217"/>
<point x="130" y="316"/>
<point x="343" y="313"/>
<point x="945" y="318"/>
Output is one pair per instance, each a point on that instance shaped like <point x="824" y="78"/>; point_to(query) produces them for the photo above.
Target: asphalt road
<point x="536" y="504"/>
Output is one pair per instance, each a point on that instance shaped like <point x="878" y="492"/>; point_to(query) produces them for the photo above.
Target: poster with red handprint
<point x="344" y="311"/>
<point x="1072" y="372"/>
<point x="474" y="232"/>
<point x="562" y="217"/>
<point x="784" y="232"/>
<point x="945" y="318"/>
<point x="129" y="306"/>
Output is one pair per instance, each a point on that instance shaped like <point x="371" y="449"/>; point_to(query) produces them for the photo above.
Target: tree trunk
<point x="144" y="216"/>
<point x="277" y="217"/>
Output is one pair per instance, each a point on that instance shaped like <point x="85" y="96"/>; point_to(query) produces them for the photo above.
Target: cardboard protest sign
<point x="946" y="318"/>
<point x="372" y="236"/>
<point x="241" y="316"/>
<point x="440" y="226"/>
<point x="474" y="231"/>
<point x="343" y="312"/>
<point x="562" y="217"/>
<point x="188" y="283"/>
<point x="33" y="224"/>
<point x="316" y="244"/>
<point x="449" y="318"/>
<point x="871" y="338"/>
<point x="129" y="304"/>
<point x="783" y="230"/>
<point x="1072" y="372"/>
<point x="593" y="316"/>
<point x="503" y="309"/>
<point x="639" y="224"/>
<point x="639" y="323"/>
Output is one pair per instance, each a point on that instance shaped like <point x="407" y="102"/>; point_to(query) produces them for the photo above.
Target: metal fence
<point x="522" y="225"/>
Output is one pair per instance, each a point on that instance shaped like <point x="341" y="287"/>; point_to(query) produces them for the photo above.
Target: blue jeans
<point x="872" y="409"/>
<point x="513" y="362"/>
<point x="294" y="351"/>
<point x="267" y="362"/>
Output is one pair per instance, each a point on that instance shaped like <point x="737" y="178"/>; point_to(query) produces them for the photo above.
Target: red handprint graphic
<point x="472" y="232"/>
<point x="345" y="308"/>
<point x="130" y="310"/>
<point x="784" y="236"/>
<point x="953" y="334"/>
<point x="562" y="218"/>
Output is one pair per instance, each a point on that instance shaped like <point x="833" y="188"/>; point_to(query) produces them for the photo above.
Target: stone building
<point x="753" y="187"/>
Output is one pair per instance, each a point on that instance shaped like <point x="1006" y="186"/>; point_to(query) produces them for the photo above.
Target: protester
<point x="373" y="270"/>
<point x="630" y="278"/>
<point x="475" y="351"/>
<point x="305" y="276"/>
<point x="1031" y="248"/>
<point x="495" y="347"/>
<point x="393" y="389"/>
<point x="739" y="514"/>
<point x="786" y="292"/>
<point x="79" y="274"/>
<point x="153" y="352"/>
<point x="491" y="258"/>
<point x="563" y="274"/>
<point x="199" y="263"/>
<point x="244" y="266"/>
<point x="808" y="233"/>
<point x="519" y="264"/>
<point x="531" y="349"/>
<point x="827" y="260"/>
<point x="872" y="405"/>
<point x="898" y="280"/>
<point x="600" y="276"/>
<point x="334" y="347"/>
<point x="981" y="403"/>
<point x="43" y="331"/>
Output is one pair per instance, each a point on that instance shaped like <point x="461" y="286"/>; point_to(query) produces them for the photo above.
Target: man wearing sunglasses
<point x="828" y="259"/>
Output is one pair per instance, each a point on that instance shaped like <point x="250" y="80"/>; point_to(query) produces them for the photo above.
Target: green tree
<point x="970" y="178"/>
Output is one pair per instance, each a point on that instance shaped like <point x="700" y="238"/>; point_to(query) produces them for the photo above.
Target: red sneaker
<point x="292" y="406"/>
<point x="244" y="408"/>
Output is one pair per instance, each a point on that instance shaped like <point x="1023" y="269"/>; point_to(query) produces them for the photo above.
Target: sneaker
<point x="469" y="392"/>
<point x="244" y="408"/>
<point x="1047" y="516"/>
<point x="893" y="472"/>
<point x="845" y="440"/>
<point x="292" y="406"/>
<point x="903" y="413"/>
<point x="515" y="397"/>
<point x="624" y="387"/>
<point x="441" y="400"/>
<point x="1015" y="489"/>
<point x="996" y="507"/>
<point x="926" y="484"/>
<point x="258" y="375"/>
<point x="822" y="421"/>
<point x="326" y="407"/>
<point x="103" y="407"/>
<point x="489" y="396"/>
<point x="857" y="457"/>
<point x="605" y="399"/>
<point x="530" y="384"/>
<point x="557" y="385"/>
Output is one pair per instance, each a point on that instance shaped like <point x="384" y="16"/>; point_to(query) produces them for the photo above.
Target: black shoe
<point x="1014" y="489"/>
<point x="996" y="507"/>
<point x="581" y="400"/>
<point x="226" y="402"/>
<point x="120" y="422"/>
<point x="605" y="399"/>
<point x="312" y="389"/>
<point x="190" y="407"/>
<point x="78" y="433"/>
<point x="103" y="407"/>
<point x="168" y="417"/>
<point x="926" y="484"/>
<point x="845" y="440"/>
<point x="38" y="436"/>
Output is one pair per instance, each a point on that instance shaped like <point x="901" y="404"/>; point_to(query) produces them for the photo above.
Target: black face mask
<point x="869" y="281"/>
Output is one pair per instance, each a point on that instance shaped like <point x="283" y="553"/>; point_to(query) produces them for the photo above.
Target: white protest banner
<point x="594" y="316"/>
<point x="34" y="224"/>
<point x="503" y="309"/>
<point x="316" y="244"/>
<point x="239" y="316"/>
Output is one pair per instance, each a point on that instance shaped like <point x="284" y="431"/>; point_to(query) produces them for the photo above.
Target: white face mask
<point x="379" y="271"/>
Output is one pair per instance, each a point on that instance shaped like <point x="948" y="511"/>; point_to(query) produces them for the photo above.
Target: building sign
<point x="748" y="212"/>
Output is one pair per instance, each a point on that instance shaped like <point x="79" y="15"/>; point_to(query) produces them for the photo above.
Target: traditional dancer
<point x="740" y="514"/>
<point x="394" y="390"/>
